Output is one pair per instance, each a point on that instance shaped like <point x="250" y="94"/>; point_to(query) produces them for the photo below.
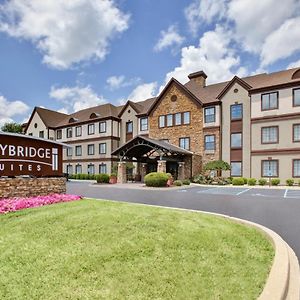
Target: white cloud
<point x="143" y="92"/>
<point x="169" y="38"/>
<point x="76" y="98"/>
<point x="66" y="32"/>
<point x="10" y="109"/>
<point x="213" y="55"/>
<point x="117" y="82"/>
<point x="295" y="64"/>
<point x="282" y="43"/>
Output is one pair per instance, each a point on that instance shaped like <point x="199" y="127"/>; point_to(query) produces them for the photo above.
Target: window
<point x="102" y="127"/>
<point x="161" y="121"/>
<point x="129" y="127"/>
<point x="69" y="151"/>
<point x="78" y="131"/>
<point x="236" y="169"/>
<point x="184" y="143"/>
<point x="69" y="132"/>
<point x="296" y="133"/>
<point x="144" y="124"/>
<point x="41" y="134"/>
<point x="30" y="134"/>
<point x="59" y="134"/>
<point x="78" y="150"/>
<point x="270" y="168"/>
<point x="210" y="115"/>
<point x="91" y="149"/>
<point x="186" y="117"/>
<point x="69" y="169"/>
<point x="236" y="140"/>
<point x="102" y="169"/>
<point x="236" y="111"/>
<point x="269" y="135"/>
<point x="78" y="169"/>
<point x="169" y="120"/>
<point x="178" y="119"/>
<point x="91" y="129"/>
<point x="209" y="142"/>
<point x="91" y="169"/>
<point x="296" y="97"/>
<point x="102" y="148"/>
<point x="269" y="101"/>
<point x="296" y="168"/>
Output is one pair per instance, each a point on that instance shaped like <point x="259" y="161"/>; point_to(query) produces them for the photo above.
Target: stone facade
<point x="30" y="187"/>
<point x="210" y="155"/>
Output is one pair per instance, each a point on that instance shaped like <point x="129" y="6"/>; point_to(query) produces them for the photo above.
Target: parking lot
<point x="245" y="191"/>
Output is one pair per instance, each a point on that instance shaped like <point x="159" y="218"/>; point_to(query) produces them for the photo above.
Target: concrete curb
<point x="272" y="187"/>
<point x="283" y="282"/>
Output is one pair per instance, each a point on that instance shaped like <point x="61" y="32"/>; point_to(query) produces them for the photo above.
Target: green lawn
<point x="104" y="250"/>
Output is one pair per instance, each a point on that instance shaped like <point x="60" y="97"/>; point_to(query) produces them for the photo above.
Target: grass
<point x="105" y="250"/>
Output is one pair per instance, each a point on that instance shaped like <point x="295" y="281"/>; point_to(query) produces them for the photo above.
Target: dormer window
<point x="94" y="115"/>
<point x="72" y="120"/>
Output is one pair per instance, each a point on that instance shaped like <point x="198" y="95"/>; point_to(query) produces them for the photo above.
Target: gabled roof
<point x="234" y="80"/>
<point x="181" y="87"/>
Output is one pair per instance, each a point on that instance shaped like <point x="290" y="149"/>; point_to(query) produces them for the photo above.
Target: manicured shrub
<point x="156" y="179"/>
<point x="252" y="181"/>
<point x="245" y="180"/>
<point x="262" y="181"/>
<point x="290" y="182"/>
<point x="102" y="178"/>
<point x="275" y="181"/>
<point x="186" y="182"/>
<point x="299" y="182"/>
<point x="78" y="176"/>
<point x="238" y="181"/>
<point x="177" y="183"/>
<point x="202" y="179"/>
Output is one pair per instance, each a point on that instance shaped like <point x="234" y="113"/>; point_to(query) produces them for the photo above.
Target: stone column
<point x="122" y="172"/>
<point x="181" y="171"/>
<point x="143" y="171"/>
<point x="161" y="166"/>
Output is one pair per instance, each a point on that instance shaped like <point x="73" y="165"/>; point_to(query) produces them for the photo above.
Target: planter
<point x="170" y="182"/>
<point x="113" y="180"/>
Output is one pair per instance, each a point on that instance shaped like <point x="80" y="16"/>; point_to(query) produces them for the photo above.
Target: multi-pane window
<point x="169" y="120"/>
<point x="41" y="134"/>
<point x="78" y="151"/>
<point x="210" y="115"/>
<point x="296" y="132"/>
<point x="186" y="117"/>
<point x="59" y="134"/>
<point x="129" y="127"/>
<point x="269" y="135"/>
<point x="91" y="149"/>
<point x="102" y="127"/>
<point x="236" y="111"/>
<point x="184" y="143"/>
<point x="296" y="97"/>
<point x="269" y="168"/>
<point x="69" y="169"/>
<point x="236" y="140"/>
<point x="209" y="142"/>
<point x="236" y="169"/>
<point x="91" y="129"/>
<point x="178" y="119"/>
<point x="144" y="124"/>
<point x="91" y="169"/>
<point x="69" y="132"/>
<point x="296" y="168"/>
<point x="102" y="169"/>
<point x="162" y="121"/>
<point x="69" y="151"/>
<point x="78" y="131"/>
<point x="102" y="148"/>
<point x="78" y="169"/>
<point x="269" y="101"/>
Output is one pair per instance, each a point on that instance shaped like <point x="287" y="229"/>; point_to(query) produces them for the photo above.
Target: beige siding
<point x="40" y="126"/>
<point x="84" y="166"/>
<point x="129" y="115"/>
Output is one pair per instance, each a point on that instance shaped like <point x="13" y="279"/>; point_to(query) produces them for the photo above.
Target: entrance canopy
<point x="143" y="148"/>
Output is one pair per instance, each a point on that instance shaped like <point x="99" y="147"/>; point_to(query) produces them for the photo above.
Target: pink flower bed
<point x="14" y="204"/>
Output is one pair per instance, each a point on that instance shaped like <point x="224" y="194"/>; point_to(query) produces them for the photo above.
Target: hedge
<point x="102" y="178"/>
<point x="275" y="181"/>
<point x="262" y="181"/>
<point x="238" y="181"/>
<point x="156" y="179"/>
<point x="178" y="182"/>
<point x="252" y="181"/>
<point x="186" y="182"/>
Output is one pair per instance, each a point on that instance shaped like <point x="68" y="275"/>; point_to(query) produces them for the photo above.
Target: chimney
<point x="199" y="78"/>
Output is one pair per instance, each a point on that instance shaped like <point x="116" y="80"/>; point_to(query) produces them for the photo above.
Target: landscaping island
<point x="91" y="249"/>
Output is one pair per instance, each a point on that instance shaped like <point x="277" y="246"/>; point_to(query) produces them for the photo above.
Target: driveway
<point x="277" y="209"/>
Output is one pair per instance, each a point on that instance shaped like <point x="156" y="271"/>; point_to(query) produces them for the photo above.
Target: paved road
<point x="276" y="209"/>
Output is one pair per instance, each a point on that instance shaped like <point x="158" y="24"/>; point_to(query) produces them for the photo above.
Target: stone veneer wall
<point x="212" y="155"/>
<point x="30" y="187"/>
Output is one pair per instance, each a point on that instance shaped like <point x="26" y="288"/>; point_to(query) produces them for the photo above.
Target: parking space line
<point x="244" y="191"/>
<point x="285" y="193"/>
<point x="209" y="189"/>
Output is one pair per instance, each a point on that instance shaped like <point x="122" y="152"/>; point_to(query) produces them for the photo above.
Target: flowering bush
<point x="14" y="204"/>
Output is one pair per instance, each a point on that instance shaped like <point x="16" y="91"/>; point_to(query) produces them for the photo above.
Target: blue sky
<point x="69" y="55"/>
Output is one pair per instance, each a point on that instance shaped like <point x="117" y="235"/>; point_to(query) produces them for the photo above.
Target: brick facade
<point x="30" y="187"/>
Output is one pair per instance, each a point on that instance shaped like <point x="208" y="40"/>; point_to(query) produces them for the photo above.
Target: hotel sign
<point x="24" y="155"/>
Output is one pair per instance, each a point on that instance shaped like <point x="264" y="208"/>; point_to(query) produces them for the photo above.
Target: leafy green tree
<point x="12" y="127"/>
<point x="217" y="165"/>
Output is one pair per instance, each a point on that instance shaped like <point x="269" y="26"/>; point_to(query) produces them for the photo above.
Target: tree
<point x="12" y="127"/>
<point x="217" y="165"/>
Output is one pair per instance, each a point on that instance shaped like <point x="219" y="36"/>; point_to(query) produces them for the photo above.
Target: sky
<point x="68" y="55"/>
